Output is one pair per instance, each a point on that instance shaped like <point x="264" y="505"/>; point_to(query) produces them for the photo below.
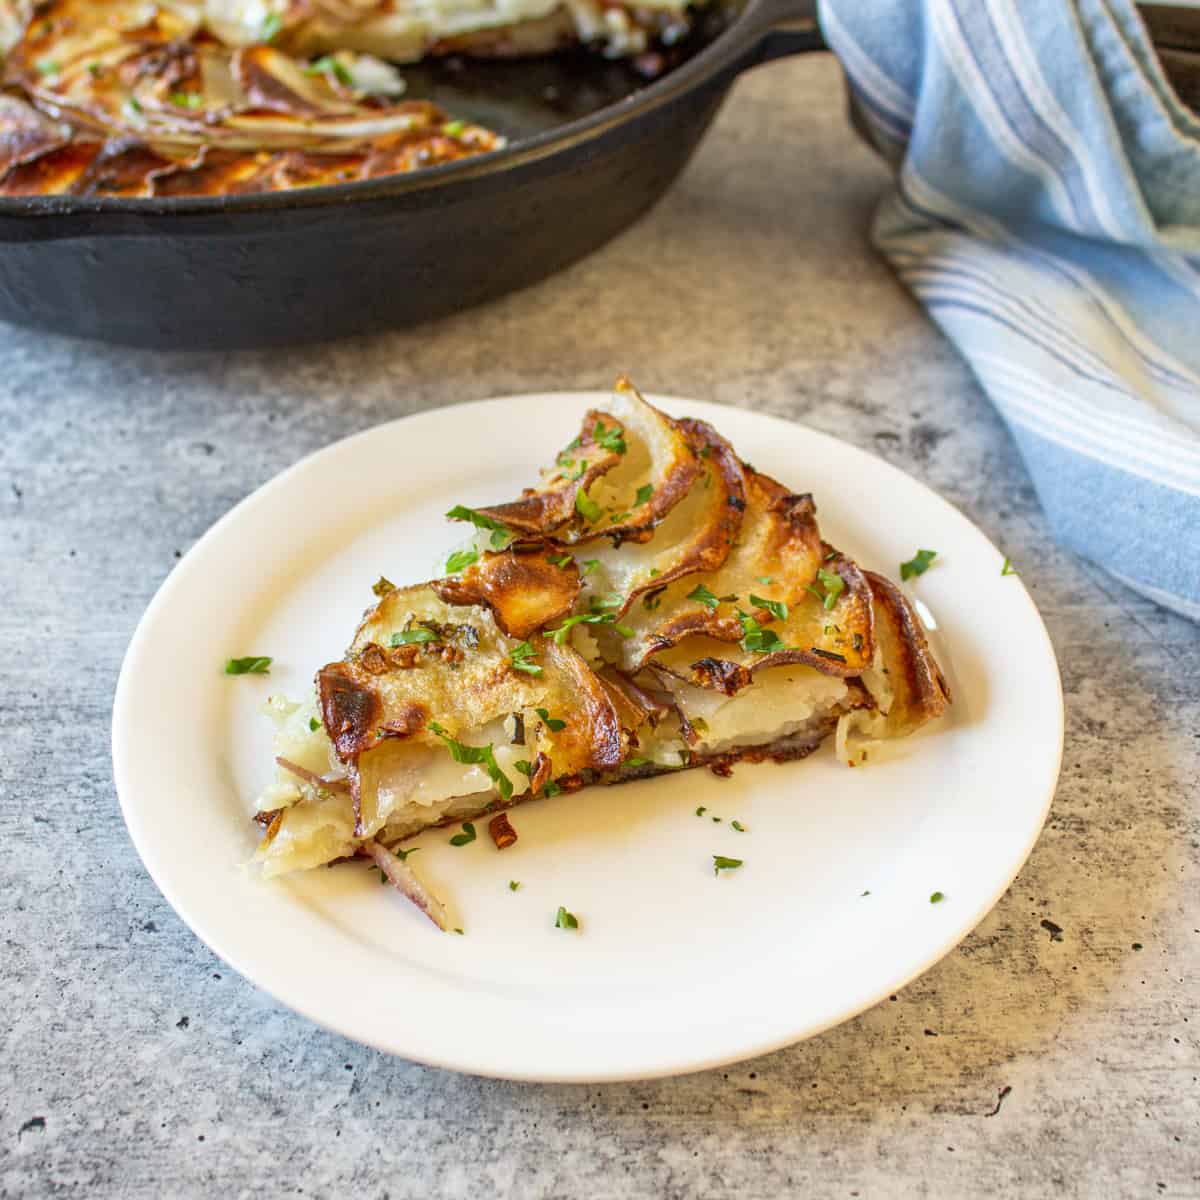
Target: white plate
<point x="673" y="970"/>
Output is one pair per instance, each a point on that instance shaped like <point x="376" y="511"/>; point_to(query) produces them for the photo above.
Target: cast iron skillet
<point x="592" y="147"/>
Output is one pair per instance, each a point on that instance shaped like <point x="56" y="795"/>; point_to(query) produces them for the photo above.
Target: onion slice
<point x="331" y="783"/>
<point x="404" y="879"/>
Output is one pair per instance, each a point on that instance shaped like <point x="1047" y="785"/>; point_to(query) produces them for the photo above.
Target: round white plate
<point x="673" y="969"/>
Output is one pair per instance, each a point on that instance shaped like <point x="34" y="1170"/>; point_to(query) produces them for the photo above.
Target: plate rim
<point x="122" y="751"/>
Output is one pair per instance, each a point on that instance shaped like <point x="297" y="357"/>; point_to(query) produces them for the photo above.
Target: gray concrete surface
<point x="1028" y="1063"/>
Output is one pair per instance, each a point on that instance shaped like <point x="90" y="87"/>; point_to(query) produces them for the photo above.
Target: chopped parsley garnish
<point x="550" y="788"/>
<point x="1008" y="568"/>
<point x="610" y="439"/>
<point x="565" y="920"/>
<point x="559" y="560"/>
<point x="514" y="885"/>
<point x="500" y="532"/>
<point x="328" y="65"/>
<point x="521" y="658"/>
<point x="608" y="600"/>
<point x="133" y="107"/>
<point x="937" y="897"/>
<point x="756" y="639"/>
<point x="765" y="580"/>
<point x="256" y="664"/>
<point x="459" y="931"/>
<point x="523" y="767"/>
<point x="466" y="837"/>
<point x="187" y="99"/>
<point x="587" y="508"/>
<point x="738" y="826"/>
<point x="721" y="863"/>
<point x="716" y="820"/>
<point x="701" y="811"/>
<point x="833" y="584"/>
<point x="382" y="586"/>
<point x="475" y="755"/>
<point x="593" y="618"/>
<point x="269" y="30"/>
<point x="552" y="723"/>
<point x="918" y="564"/>
<point x="652" y="599"/>
<point x="454" y="128"/>
<point x="460" y="560"/>
<point x="313" y="724"/>
<point x="702" y="595"/>
<point x="407" y="637"/>
<point x="644" y="493"/>
<point x="636" y="762"/>
<point x="47" y="67"/>
<point x="776" y="608"/>
<point x="402" y="855"/>
<point x="590" y="565"/>
<point x="654" y="571"/>
<point x="866" y="893"/>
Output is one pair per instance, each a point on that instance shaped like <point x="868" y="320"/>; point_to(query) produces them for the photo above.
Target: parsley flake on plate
<point x="937" y="897"/>
<point x="738" y="826"/>
<point x="514" y="885"/>
<point x="382" y="586"/>
<point x="466" y="837"/>
<point x="917" y="565"/>
<point x="702" y="595"/>
<point x="255" y="664"/>
<point x="644" y="493"/>
<point x="565" y="920"/>
<point x="313" y="724"/>
<point x="1008" y="568"/>
<point x="721" y="863"/>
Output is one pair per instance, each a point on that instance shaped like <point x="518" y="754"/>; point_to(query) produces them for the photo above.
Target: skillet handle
<point x="788" y="27"/>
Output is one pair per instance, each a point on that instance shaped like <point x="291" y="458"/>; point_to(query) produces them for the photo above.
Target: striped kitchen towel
<point x="1047" y="214"/>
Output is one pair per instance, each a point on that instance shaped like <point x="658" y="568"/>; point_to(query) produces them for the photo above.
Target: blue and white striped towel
<point x="1047" y="214"/>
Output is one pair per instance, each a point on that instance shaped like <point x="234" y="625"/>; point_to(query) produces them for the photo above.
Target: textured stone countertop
<point x="136" y="1064"/>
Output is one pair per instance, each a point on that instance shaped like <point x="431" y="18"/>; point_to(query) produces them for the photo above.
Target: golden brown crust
<point x="349" y="710"/>
<point x="146" y="103"/>
<point x="523" y="589"/>
<point x="920" y="692"/>
<point x="545" y="509"/>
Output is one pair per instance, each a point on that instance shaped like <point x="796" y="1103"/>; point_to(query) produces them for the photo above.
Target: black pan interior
<point x="523" y="97"/>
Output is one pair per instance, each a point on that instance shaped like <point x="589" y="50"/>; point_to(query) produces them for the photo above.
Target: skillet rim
<point x="732" y="44"/>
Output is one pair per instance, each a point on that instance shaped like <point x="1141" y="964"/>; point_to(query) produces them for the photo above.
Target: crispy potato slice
<point x="521" y="586"/>
<point x="697" y="536"/>
<point x="692" y="627"/>
<point x="916" y="690"/>
<point x="622" y="475"/>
